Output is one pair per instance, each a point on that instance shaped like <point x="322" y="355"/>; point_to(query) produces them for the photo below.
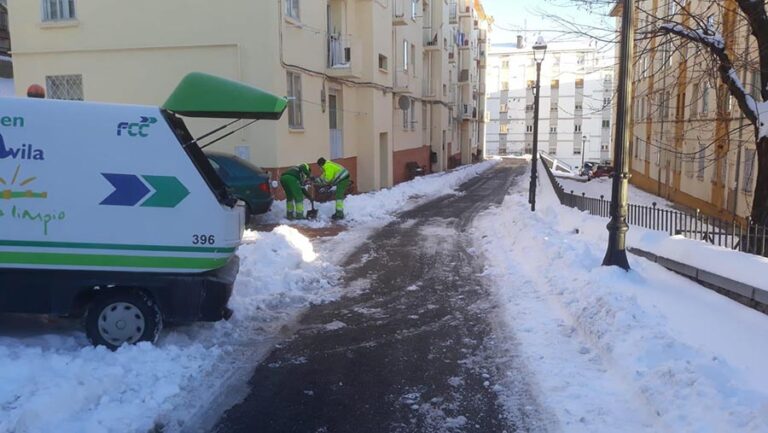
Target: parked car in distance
<point x="588" y="167"/>
<point x="246" y="182"/>
<point x="601" y="171"/>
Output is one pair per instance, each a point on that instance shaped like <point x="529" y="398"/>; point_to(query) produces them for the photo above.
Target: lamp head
<point x="539" y="49"/>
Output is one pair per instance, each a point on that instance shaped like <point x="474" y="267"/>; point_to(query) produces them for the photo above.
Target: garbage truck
<point x="112" y="213"/>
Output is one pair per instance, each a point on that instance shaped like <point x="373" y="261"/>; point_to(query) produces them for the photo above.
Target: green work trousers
<point x="294" y="196"/>
<point x="341" y="192"/>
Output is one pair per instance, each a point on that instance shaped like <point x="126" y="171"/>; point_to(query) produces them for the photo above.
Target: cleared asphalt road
<point x="411" y="349"/>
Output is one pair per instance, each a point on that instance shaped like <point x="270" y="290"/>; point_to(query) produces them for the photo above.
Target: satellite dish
<point x="404" y="103"/>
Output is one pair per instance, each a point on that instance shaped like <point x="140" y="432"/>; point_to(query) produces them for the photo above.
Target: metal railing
<point x="338" y="51"/>
<point x="745" y="236"/>
<point x="431" y="38"/>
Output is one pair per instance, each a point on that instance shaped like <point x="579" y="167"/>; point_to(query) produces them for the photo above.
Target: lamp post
<point x="616" y="254"/>
<point x="539" y="51"/>
<point x="583" y="145"/>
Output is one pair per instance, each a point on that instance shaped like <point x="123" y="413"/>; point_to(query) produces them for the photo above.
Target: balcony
<point x="340" y="61"/>
<point x="431" y="39"/>
<point x="400" y="11"/>
<point x="468" y="112"/>
<point x="464" y="76"/>
<point x="465" y="9"/>
<point x="403" y="82"/>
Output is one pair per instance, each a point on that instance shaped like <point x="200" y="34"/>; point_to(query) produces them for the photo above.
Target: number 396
<point x="203" y="239"/>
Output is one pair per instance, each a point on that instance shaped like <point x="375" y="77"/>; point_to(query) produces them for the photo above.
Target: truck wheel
<point x="122" y="317"/>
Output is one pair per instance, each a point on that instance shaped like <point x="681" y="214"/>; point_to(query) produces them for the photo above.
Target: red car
<point x="601" y="171"/>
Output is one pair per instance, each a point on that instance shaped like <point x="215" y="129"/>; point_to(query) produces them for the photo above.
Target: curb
<point x="745" y="294"/>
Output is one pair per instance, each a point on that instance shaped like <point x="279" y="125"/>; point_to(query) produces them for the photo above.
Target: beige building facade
<point x="359" y="75"/>
<point x="690" y="142"/>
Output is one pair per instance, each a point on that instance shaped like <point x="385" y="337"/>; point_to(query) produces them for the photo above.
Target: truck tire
<point x="124" y="316"/>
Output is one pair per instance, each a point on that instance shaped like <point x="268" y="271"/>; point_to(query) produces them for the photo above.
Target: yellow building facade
<point x="690" y="142"/>
<point x="364" y="78"/>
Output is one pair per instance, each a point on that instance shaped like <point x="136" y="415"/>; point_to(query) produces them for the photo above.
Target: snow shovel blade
<point x="312" y="214"/>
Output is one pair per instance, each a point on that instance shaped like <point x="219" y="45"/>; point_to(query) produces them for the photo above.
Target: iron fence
<point x="745" y="236"/>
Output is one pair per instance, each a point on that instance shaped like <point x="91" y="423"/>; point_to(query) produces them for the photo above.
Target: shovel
<point x="312" y="212"/>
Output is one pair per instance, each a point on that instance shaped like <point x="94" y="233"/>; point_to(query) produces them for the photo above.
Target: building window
<point x="69" y="87"/>
<point x="702" y="159"/>
<point x="412" y="113"/>
<point x="705" y="100"/>
<point x="424" y="115"/>
<point x="406" y="55"/>
<point x="58" y="10"/>
<point x="292" y="9"/>
<point x="577" y="128"/>
<point x="553" y="130"/>
<point x="504" y="85"/>
<point x="295" y="118"/>
<point x="606" y="124"/>
<point x="580" y="83"/>
<point x="383" y="62"/>
<point x="694" y="100"/>
<point x="579" y="107"/>
<point x="749" y="169"/>
<point x="504" y="128"/>
<point x="505" y="64"/>
<point x="529" y="128"/>
<point x="405" y="119"/>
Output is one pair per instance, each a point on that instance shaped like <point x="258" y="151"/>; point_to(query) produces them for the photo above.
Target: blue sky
<point x="517" y="15"/>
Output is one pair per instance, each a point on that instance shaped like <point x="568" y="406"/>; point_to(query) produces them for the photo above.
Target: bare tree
<point x="686" y="28"/>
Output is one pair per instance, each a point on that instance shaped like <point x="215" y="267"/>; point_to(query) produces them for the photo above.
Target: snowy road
<point x="412" y="349"/>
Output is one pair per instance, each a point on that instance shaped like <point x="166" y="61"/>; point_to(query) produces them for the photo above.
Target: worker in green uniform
<point x="334" y="175"/>
<point x="293" y="181"/>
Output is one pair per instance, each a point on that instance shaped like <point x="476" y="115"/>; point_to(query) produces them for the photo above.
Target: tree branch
<point x="716" y="45"/>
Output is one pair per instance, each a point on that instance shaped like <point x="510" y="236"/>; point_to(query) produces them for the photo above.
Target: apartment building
<point x="354" y="72"/>
<point x="575" y="104"/>
<point x="690" y="142"/>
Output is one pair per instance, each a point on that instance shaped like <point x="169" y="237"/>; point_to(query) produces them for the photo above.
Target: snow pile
<point x="644" y="351"/>
<point x="52" y="380"/>
<point x="381" y="206"/>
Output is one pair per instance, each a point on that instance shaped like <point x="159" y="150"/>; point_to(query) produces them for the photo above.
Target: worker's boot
<point x="291" y="216"/>
<point x="339" y="215"/>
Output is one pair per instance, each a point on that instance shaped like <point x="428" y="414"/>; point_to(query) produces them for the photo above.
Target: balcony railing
<point x="431" y="38"/>
<point x="402" y="82"/>
<point x="401" y="11"/>
<point x="339" y="51"/>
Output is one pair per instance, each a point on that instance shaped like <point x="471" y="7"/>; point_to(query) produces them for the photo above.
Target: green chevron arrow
<point x="169" y="191"/>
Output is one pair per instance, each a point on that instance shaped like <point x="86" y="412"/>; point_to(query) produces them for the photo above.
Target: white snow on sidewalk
<point x="52" y="380"/>
<point x="610" y="351"/>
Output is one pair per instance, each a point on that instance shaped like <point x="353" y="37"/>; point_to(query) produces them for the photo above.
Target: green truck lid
<point x="204" y="95"/>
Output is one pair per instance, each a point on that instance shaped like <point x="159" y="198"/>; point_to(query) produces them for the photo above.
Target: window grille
<point x="69" y="87"/>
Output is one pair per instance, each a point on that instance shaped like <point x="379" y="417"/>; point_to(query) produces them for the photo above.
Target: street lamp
<point x="583" y="144"/>
<point x="616" y="255"/>
<point x="539" y="51"/>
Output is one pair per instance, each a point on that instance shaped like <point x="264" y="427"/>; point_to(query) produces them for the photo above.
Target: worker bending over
<point x="293" y="181"/>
